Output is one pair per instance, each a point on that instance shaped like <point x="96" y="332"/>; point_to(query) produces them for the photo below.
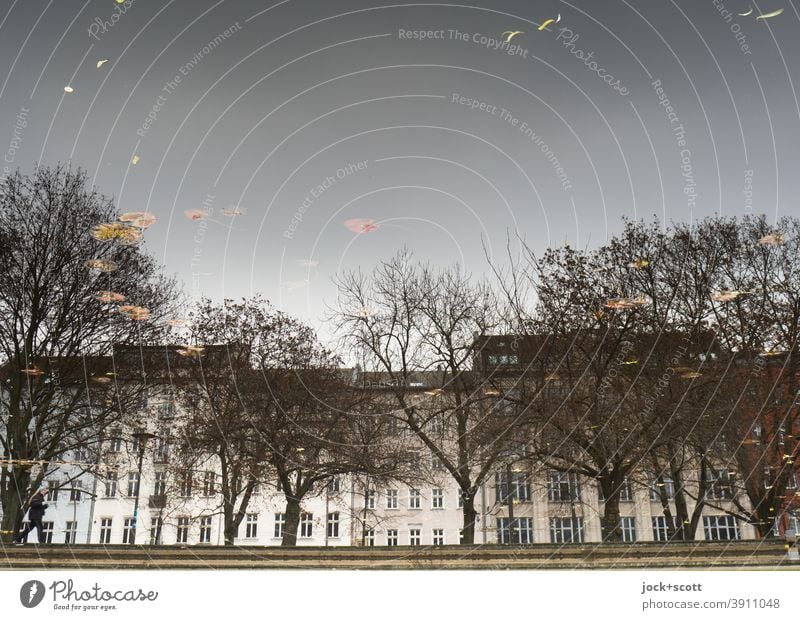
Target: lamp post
<point x="141" y="438"/>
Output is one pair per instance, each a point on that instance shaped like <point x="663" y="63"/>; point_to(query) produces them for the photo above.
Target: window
<point x="391" y="499"/>
<point x="81" y="454"/>
<point x="280" y="524"/>
<point x="52" y="491"/>
<point x="414" y="537"/>
<point x="369" y="500"/>
<point x="436" y="463"/>
<point x="666" y="485"/>
<point x="334" y="484"/>
<point x="127" y="531"/>
<point x="628" y="527"/>
<point x="566" y="530"/>
<point x="183" y="530"/>
<point x="661" y="528"/>
<point x="791" y="482"/>
<point x="185" y="485"/>
<point x="251" y="526"/>
<point x="391" y="538"/>
<point x="162" y="450"/>
<point x="333" y="525"/>
<point x="436" y="427"/>
<point x="70" y="532"/>
<point x="208" y="483"/>
<point x="111" y="484"/>
<point x="133" y="484"/>
<point x="437" y="498"/>
<point x="625" y="492"/>
<point x="369" y="537"/>
<point x="721" y="528"/>
<point x="438" y="537"/>
<point x="205" y="529"/>
<point x="75" y="491"/>
<point x="520" y="490"/>
<point x="414" y="499"/>
<point x="502" y="360"/>
<point x="166" y="407"/>
<point x="523" y="531"/>
<point x="306" y="525"/>
<point x="160" y="485"/>
<point x="720" y="486"/>
<point x="115" y="445"/>
<point x="105" y="531"/>
<point x="155" y="530"/>
<point x="562" y="486"/>
<point x="47" y="532"/>
<point x="793" y="522"/>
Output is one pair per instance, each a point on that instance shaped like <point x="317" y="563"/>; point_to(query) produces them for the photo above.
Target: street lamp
<point x="141" y="438"/>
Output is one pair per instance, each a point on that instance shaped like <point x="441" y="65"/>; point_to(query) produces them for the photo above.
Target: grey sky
<point x="300" y="91"/>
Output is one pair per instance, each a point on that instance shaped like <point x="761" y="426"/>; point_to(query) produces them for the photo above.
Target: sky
<point x="284" y="120"/>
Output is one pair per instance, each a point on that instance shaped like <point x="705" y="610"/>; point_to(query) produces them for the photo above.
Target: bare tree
<point x="58" y="389"/>
<point x="413" y="326"/>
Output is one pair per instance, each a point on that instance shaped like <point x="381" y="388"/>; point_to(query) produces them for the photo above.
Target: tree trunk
<point x="470" y="519"/>
<point x="292" y="522"/>
<point x="610" y="520"/>
<point x="681" y="507"/>
<point x="14" y="496"/>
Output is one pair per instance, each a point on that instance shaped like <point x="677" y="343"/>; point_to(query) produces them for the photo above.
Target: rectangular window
<point x="155" y="530"/>
<point x="721" y="528"/>
<point x="112" y="478"/>
<point x="436" y="463"/>
<point x="333" y="525"/>
<point x="563" y="486"/>
<point x="661" y="528"/>
<point x="52" y="491"/>
<point x="105" y="531"/>
<point x="47" y="532"/>
<point x="628" y="527"/>
<point x="437" y="498"/>
<point x="280" y="524"/>
<point x="369" y="500"/>
<point x="208" y="483"/>
<point x="665" y="484"/>
<point x="520" y="490"/>
<point x="566" y="530"/>
<point x="127" y="531"/>
<point x="162" y="450"/>
<point x="522" y="534"/>
<point x="205" y="529"/>
<point x="115" y="445"/>
<point x="391" y="538"/>
<point x="438" y="537"/>
<point x="415" y="537"/>
<point x="133" y="484"/>
<point x="369" y="537"/>
<point x="70" y="532"/>
<point x="334" y="484"/>
<point x="251" y="526"/>
<point x="391" y="499"/>
<point x="183" y="530"/>
<point x="436" y="427"/>
<point x="160" y="485"/>
<point x="306" y="525"/>
<point x="414" y="499"/>
<point x="75" y="491"/>
<point x="185" y="485"/>
<point x="720" y="486"/>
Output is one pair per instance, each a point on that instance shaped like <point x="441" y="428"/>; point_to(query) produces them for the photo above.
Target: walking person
<point x="36" y="511"/>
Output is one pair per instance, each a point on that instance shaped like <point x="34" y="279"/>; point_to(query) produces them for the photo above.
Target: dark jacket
<point x="37" y="508"/>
